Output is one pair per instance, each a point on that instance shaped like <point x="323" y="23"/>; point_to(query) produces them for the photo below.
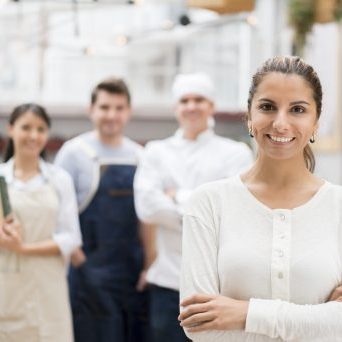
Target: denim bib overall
<point x="106" y="306"/>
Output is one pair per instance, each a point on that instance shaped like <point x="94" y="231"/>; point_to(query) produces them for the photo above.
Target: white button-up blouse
<point x="67" y="232"/>
<point x="285" y="262"/>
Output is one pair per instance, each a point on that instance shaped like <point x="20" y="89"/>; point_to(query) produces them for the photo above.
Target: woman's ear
<point x="9" y="130"/>
<point x="316" y="127"/>
<point x="249" y="124"/>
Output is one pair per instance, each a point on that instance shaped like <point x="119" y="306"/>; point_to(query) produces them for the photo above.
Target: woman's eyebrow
<point x="264" y="99"/>
<point x="291" y="103"/>
<point x="299" y="102"/>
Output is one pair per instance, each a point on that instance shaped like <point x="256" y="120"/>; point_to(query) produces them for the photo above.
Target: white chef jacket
<point x="67" y="233"/>
<point x="181" y="164"/>
<point x="285" y="262"/>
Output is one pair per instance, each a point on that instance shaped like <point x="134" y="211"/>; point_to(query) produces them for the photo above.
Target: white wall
<point x="329" y="166"/>
<point x="323" y="51"/>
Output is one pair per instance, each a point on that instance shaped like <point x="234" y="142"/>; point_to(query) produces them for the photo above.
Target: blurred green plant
<point x="338" y="10"/>
<point x="304" y="13"/>
<point x="301" y="17"/>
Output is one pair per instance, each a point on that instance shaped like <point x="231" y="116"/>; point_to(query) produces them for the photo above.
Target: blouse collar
<point x="8" y="170"/>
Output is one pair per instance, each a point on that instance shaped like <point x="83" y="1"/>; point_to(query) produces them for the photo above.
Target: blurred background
<point x="54" y="52"/>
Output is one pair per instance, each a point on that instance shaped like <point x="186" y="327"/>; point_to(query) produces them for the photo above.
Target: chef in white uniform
<point x="167" y="174"/>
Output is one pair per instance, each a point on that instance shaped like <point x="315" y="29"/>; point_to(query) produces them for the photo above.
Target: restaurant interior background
<point x="54" y="52"/>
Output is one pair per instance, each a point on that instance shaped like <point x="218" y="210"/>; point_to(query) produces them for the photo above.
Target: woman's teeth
<point x="280" y="139"/>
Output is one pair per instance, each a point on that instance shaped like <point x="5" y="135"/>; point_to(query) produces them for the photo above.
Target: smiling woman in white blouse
<point x="37" y="238"/>
<point x="262" y="250"/>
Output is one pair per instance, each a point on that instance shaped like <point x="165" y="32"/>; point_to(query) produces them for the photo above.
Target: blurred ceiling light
<point x="184" y="20"/>
<point x="89" y="51"/>
<point x="138" y="2"/>
<point x="167" y="24"/>
<point x="252" y="20"/>
<point x="121" y="40"/>
<point x="3" y="2"/>
<point x="99" y="49"/>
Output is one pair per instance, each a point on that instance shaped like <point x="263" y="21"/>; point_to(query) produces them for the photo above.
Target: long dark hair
<point x="291" y="65"/>
<point x="16" y="114"/>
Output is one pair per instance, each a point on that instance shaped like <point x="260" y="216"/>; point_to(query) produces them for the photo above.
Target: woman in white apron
<point x="35" y="245"/>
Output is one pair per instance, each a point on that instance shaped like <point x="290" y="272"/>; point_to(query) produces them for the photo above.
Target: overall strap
<point x="87" y="148"/>
<point x="91" y="153"/>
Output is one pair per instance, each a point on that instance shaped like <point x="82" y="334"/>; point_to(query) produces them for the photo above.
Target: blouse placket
<point x="280" y="257"/>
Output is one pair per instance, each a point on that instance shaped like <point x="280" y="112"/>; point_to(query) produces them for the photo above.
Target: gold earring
<point x="250" y="132"/>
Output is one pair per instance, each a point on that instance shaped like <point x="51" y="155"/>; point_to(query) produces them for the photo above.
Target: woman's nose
<point x="34" y="134"/>
<point x="281" y="121"/>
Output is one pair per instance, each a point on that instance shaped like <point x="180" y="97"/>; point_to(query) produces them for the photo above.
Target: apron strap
<point x="91" y="153"/>
<point x="97" y="162"/>
<point x="89" y="150"/>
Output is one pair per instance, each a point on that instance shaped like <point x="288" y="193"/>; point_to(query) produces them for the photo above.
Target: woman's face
<point x="29" y="134"/>
<point x="283" y="116"/>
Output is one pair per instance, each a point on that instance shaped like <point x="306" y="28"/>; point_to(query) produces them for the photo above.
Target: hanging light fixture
<point x="224" y="6"/>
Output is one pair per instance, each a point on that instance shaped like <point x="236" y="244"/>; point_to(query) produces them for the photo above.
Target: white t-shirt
<point x="74" y="159"/>
<point x="285" y="262"/>
<point x="180" y="164"/>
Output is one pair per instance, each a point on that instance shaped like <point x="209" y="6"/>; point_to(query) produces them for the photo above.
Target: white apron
<point x="34" y="302"/>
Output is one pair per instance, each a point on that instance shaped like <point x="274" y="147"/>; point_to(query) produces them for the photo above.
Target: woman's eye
<point x="266" y="107"/>
<point x="298" y="109"/>
<point x="25" y="127"/>
<point x="42" y="129"/>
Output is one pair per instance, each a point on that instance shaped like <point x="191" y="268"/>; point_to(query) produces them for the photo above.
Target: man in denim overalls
<point x="107" y="275"/>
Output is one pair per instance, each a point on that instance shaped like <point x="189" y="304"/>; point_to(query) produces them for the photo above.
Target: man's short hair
<point x="111" y="85"/>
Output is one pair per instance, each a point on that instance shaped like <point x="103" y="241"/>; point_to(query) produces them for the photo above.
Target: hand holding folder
<point x="5" y="205"/>
<point x="10" y="229"/>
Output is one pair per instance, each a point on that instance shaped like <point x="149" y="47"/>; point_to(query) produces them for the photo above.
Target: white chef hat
<point x="196" y="83"/>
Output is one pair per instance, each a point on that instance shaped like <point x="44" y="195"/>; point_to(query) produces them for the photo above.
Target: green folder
<point x="6" y="205"/>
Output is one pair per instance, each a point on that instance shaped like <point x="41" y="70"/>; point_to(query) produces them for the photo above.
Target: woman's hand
<point x="10" y="236"/>
<point x="142" y="281"/>
<point x="336" y="294"/>
<point x="211" y="312"/>
<point x="78" y="258"/>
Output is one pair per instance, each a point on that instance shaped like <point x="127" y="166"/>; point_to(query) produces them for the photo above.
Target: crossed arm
<point x="206" y="315"/>
<point x="215" y="312"/>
